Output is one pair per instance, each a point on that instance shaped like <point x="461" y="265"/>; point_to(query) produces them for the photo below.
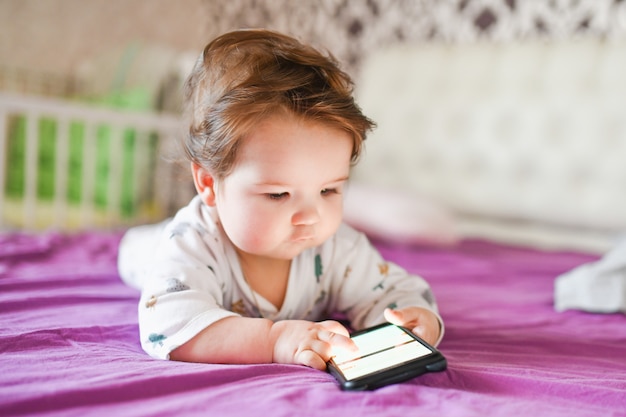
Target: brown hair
<point x="247" y="75"/>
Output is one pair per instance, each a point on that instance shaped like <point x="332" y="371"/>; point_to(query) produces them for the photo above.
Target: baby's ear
<point x="205" y="184"/>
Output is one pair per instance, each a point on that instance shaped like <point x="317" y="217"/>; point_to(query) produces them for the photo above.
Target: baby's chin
<point x="283" y="254"/>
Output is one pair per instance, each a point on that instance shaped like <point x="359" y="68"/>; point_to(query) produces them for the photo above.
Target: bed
<point x="68" y="326"/>
<point x="69" y="343"/>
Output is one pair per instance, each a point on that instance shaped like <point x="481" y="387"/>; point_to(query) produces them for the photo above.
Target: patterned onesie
<point x="194" y="279"/>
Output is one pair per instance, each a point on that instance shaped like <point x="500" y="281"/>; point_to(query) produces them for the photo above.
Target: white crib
<point x="101" y="168"/>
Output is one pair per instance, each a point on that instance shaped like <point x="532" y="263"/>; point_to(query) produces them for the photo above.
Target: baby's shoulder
<point x="193" y="231"/>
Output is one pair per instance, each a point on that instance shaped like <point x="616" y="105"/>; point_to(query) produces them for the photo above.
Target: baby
<point x="247" y="270"/>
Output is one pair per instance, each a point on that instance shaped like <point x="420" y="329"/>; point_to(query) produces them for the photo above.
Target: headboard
<point x="526" y="142"/>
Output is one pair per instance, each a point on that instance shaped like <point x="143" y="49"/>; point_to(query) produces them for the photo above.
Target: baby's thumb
<point x="393" y="317"/>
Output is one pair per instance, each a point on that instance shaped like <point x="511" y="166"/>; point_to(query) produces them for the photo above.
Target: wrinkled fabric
<point x="596" y="287"/>
<point x="69" y="343"/>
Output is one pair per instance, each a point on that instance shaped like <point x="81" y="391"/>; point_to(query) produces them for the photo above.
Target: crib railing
<point x="71" y="166"/>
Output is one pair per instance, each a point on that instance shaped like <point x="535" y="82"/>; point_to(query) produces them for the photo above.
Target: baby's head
<point x="246" y="76"/>
<point x="274" y="130"/>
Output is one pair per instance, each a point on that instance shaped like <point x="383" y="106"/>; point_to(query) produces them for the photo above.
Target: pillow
<point x="398" y="216"/>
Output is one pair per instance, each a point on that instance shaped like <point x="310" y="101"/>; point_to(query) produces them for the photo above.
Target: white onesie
<point x="190" y="277"/>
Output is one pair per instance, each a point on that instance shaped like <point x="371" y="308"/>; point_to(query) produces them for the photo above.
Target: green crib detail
<point x="128" y="193"/>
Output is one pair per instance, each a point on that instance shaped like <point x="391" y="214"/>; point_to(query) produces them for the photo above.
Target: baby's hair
<point x="245" y="76"/>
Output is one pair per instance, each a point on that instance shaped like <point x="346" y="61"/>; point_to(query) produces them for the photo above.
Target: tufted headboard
<point x="526" y="143"/>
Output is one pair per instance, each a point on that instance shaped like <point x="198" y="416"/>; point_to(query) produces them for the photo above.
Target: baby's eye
<point x="328" y="191"/>
<point x="277" y="196"/>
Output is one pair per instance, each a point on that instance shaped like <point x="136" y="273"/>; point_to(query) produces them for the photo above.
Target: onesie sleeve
<point x="184" y="290"/>
<point x="370" y="283"/>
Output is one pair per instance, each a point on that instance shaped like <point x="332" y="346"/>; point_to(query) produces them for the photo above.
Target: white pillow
<point x="398" y="216"/>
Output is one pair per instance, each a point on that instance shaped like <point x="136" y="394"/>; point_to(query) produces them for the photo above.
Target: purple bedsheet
<point x="69" y="343"/>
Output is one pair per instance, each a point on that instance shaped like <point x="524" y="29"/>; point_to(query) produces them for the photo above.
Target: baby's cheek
<point x="239" y="229"/>
<point x="332" y="222"/>
<point x="252" y="244"/>
<point x="254" y="236"/>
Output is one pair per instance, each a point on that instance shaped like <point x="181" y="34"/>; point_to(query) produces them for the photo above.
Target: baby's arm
<point x="373" y="290"/>
<point x="421" y="321"/>
<point x="254" y="340"/>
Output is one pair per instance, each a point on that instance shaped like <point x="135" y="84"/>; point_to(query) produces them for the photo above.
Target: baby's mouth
<point x="302" y="238"/>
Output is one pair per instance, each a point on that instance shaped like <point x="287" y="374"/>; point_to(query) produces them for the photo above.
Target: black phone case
<point x="434" y="362"/>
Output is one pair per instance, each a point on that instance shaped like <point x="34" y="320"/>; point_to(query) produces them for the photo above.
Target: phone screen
<point x="382" y="348"/>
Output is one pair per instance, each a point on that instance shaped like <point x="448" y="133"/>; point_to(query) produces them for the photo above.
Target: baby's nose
<point x="306" y="215"/>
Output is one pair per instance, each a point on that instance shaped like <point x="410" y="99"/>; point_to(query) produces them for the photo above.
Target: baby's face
<point x="284" y="194"/>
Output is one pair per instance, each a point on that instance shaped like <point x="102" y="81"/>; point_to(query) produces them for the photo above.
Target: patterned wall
<point x="58" y="36"/>
<point x="349" y="28"/>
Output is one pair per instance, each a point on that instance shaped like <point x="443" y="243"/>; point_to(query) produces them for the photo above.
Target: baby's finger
<point x="394" y="317"/>
<point x="336" y="340"/>
<point x="335" y="326"/>
<point x="424" y="333"/>
<point x="317" y="347"/>
<point x="311" y="359"/>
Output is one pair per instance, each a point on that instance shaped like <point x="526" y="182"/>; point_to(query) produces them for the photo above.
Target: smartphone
<point x="387" y="354"/>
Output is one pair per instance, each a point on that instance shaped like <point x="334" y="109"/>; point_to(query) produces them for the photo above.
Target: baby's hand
<point x="308" y="343"/>
<point x="422" y="322"/>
